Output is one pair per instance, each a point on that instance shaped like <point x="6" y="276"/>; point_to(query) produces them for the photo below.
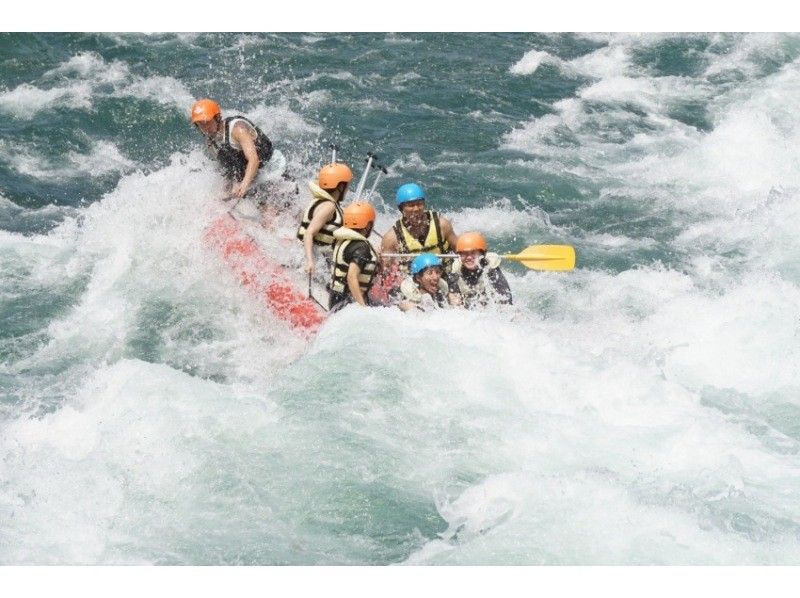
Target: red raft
<point x="268" y="280"/>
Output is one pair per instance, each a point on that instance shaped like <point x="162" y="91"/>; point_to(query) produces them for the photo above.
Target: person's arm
<point x="389" y="242"/>
<point x="352" y="283"/>
<point x="322" y="215"/>
<point x="406" y="305"/>
<point x="241" y="135"/>
<point x="448" y="232"/>
<point x="500" y="285"/>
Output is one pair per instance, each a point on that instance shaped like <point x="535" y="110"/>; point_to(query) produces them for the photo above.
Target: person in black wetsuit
<point x="476" y="279"/>
<point x="355" y="261"/>
<point x="239" y="146"/>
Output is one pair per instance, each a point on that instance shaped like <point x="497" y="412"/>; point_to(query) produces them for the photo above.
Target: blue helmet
<point x="422" y="261"/>
<point x="408" y="192"/>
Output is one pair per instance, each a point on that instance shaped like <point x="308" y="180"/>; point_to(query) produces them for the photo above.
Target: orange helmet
<point x="205" y="110"/>
<point x="359" y="215"/>
<point x="470" y="242"/>
<point x="333" y="174"/>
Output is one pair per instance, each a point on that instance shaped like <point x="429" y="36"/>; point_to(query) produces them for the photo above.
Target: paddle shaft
<point x="311" y="295"/>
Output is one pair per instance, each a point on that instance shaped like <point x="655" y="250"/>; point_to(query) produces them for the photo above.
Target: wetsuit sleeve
<point x="452" y="283"/>
<point x="500" y="285"/>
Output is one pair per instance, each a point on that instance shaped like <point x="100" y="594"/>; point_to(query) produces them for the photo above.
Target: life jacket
<point x="231" y="157"/>
<point x="410" y="292"/>
<point x="481" y="288"/>
<point x="325" y="234"/>
<point x="434" y="241"/>
<point x="344" y="237"/>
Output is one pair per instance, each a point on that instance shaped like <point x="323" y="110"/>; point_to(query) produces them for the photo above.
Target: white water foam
<point x="104" y="158"/>
<point x="532" y="60"/>
<point x="743" y="174"/>
<point x="89" y="76"/>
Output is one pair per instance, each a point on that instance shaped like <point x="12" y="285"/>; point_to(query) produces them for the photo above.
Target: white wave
<point x="88" y="65"/>
<point x="501" y="219"/>
<point x="402" y="78"/>
<point x="737" y="178"/>
<point x="397" y="39"/>
<point x="281" y="121"/>
<point x="89" y="76"/>
<point x="609" y="241"/>
<point x="127" y="442"/>
<point x="613" y="60"/>
<point x="749" y="53"/>
<point x="598" y="405"/>
<point x="410" y="163"/>
<point x="533" y="59"/>
<point x="103" y="158"/>
<point x="164" y="90"/>
<point x="136" y="246"/>
<point x="25" y="100"/>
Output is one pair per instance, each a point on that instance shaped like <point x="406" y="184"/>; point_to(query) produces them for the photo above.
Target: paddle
<point x="311" y="295"/>
<point x="554" y="258"/>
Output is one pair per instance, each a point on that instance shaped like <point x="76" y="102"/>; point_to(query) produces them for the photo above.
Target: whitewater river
<point x="642" y="409"/>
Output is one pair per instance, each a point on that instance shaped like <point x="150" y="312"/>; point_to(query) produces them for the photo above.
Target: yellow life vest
<point x="325" y="234"/>
<point x="344" y="237"/>
<point x="434" y="241"/>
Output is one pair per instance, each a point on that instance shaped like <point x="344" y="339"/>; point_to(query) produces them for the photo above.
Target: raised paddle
<point x="554" y="258"/>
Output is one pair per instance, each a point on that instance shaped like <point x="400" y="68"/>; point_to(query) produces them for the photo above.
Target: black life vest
<point x="344" y="237"/>
<point x="233" y="160"/>
<point x="325" y="235"/>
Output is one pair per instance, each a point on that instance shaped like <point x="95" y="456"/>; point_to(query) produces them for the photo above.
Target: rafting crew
<point x="324" y="214"/>
<point x="476" y="279"/>
<point x="240" y="147"/>
<point x="355" y="261"/>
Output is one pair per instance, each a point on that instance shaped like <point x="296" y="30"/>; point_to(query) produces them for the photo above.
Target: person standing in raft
<point x="239" y="146"/>
<point x="425" y="289"/>
<point x="323" y="215"/>
<point x="476" y="279"/>
<point x="355" y="262"/>
<point x="417" y="230"/>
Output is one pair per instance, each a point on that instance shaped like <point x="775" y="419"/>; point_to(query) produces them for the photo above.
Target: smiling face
<point x="413" y="213"/>
<point x="471" y="259"/>
<point x="428" y="279"/>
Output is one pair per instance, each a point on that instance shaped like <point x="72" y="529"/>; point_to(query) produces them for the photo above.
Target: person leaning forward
<point x="355" y="262"/>
<point x="239" y="146"/>
<point x="324" y="214"/>
<point x="417" y="230"/>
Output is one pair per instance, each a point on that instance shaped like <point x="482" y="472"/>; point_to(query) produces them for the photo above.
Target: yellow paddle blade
<point x="557" y="258"/>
